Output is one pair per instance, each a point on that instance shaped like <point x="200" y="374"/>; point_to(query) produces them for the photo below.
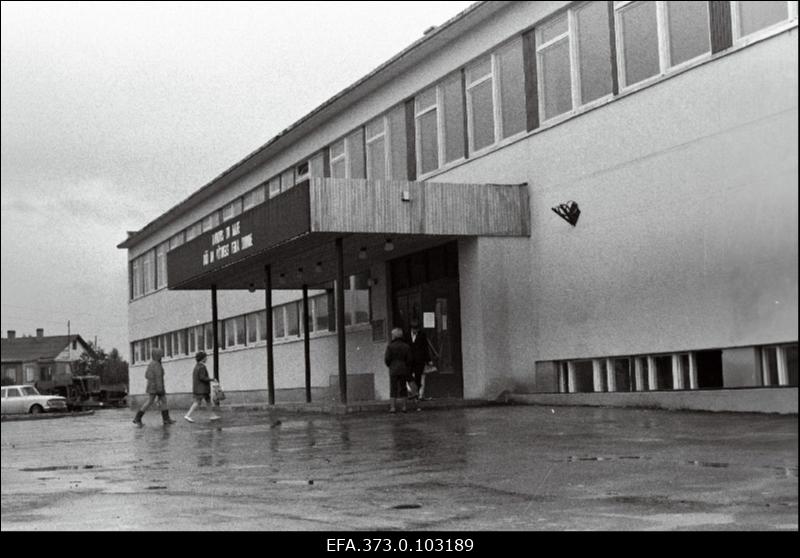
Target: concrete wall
<point x="680" y="244"/>
<point x="760" y="400"/>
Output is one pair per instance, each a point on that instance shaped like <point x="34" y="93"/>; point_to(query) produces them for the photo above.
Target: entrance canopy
<point x="295" y="232"/>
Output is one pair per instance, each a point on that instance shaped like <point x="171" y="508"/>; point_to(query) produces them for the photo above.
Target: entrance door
<point x="434" y="302"/>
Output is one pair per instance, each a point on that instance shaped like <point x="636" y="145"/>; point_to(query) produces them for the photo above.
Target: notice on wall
<point x="428" y="319"/>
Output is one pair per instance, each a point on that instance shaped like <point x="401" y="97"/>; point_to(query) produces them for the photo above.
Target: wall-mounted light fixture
<point x="568" y="211"/>
<point x="362" y="254"/>
<point x="252" y="287"/>
<point x="389" y="245"/>
<point x="318" y="267"/>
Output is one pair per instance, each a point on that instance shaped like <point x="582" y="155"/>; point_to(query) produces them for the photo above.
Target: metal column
<point x="215" y="330"/>
<point x="306" y="344"/>
<point x="340" y="320"/>
<point x="270" y="358"/>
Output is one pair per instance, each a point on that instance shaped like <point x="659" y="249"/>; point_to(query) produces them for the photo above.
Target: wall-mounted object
<point x="569" y="211"/>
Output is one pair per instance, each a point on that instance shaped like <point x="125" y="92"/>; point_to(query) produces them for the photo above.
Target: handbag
<point x="217" y="394"/>
<point x="430" y="367"/>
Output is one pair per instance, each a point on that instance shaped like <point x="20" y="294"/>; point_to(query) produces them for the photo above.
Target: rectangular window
<point x="452" y="101"/>
<point x="287" y="180"/>
<point x="252" y="328"/>
<point x="292" y="320"/>
<point x="194" y="231"/>
<point x="176" y="240"/>
<point x="148" y="271"/>
<point x="301" y="172"/>
<point x="262" y="325"/>
<point x="136" y="278"/>
<point x="278" y="325"/>
<point x="165" y="343"/>
<point x="356" y="163"/>
<point x="211" y="221"/>
<point x="191" y="343"/>
<point x="234" y="332"/>
<point x="397" y="143"/>
<point x="321" y="308"/>
<point x="779" y="365"/>
<point x="254" y="197"/>
<point x="656" y="36"/>
<point x="480" y="104"/>
<point x="377" y="152"/>
<point x="232" y="209"/>
<point x="209" y="335"/>
<point x="426" y="115"/>
<point x="338" y="161"/>
<point x="274" y="186"/>
<point x="316" y="166"/>
<point x="574" y="59"/>
<point x="749" y="18"/>
<point x="511" y="85"/>
<point x="664" y="371"/>
<point x="161" y="265"/>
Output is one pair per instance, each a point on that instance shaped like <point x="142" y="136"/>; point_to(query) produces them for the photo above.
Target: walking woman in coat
<point x="155" y="389"/>
<point x="398" y="359"/>
<point x="201" y="387"/>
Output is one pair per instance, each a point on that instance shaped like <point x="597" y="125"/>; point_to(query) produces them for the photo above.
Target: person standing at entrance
<point x="398" y="359"/>
<point x="420" y="355"/>
<point x="201" y="387"/>
<point x="155" y="389"/>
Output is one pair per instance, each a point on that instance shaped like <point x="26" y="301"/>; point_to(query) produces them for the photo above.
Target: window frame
<point x="441" y="129"/>
<point x="736" y="24"/>
<point x="663" y="41"/>
<point x="385" y="135"/>
<point x="571" y="35"/>
<point x="497" y="98"/>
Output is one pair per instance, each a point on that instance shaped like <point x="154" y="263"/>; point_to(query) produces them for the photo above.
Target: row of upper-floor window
<point x="251" y="328"/>
<point x="582" y="55"/>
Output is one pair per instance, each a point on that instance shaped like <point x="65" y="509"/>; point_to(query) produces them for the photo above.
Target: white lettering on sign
<point x="224" y="243"/>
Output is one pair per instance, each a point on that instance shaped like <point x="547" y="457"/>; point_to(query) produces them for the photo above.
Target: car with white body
<point x="26" y="399"/>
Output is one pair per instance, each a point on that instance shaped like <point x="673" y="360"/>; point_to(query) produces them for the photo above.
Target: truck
<point x="87" y="393"/>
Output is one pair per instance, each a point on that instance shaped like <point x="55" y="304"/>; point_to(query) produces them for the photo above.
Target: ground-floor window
<point x="779" y="365"/>
<point x="776" y="366"/>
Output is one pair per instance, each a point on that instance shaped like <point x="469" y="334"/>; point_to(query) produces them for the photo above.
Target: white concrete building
<point x="429" y="188"/>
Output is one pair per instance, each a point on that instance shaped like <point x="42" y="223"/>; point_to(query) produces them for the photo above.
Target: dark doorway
<point x="425" y="288"/>
<point x="709" y="369"/>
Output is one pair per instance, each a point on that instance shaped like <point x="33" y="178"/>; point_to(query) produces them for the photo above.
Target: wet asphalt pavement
<point x="520" y="468"/>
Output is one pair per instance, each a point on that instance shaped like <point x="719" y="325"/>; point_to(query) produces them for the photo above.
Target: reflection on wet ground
<point x="498" y="468"/>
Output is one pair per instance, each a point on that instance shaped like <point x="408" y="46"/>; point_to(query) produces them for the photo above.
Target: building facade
<point x="664" y="134"/>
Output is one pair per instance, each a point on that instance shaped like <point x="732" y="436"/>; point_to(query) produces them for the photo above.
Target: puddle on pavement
<point x="406" y="507"/>
<point x="712" y="464"/>
<point x="57" y="468"/>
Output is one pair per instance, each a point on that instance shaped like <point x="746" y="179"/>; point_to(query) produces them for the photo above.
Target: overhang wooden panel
<point x="393" y="207"/>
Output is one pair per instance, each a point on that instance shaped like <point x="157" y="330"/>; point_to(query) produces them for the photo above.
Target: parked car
<point x="27" y="399"/>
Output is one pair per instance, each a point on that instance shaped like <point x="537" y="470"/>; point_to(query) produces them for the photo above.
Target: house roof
<point x="27" y="349"/>
<point x="430" y="42"/>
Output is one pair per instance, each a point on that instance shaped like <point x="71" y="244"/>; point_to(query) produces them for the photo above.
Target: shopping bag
<point x="413" y="389"/>
<point x="217" y="394"/>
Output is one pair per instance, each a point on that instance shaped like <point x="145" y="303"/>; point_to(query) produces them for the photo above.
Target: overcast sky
<point x="114" y="112"/>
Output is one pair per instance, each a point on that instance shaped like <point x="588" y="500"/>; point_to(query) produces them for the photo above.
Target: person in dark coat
<point x="420" y="354"/>
<point x="155" y="389"/>
<point x="201" y="387"/>
<point x="398" y="359"/>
